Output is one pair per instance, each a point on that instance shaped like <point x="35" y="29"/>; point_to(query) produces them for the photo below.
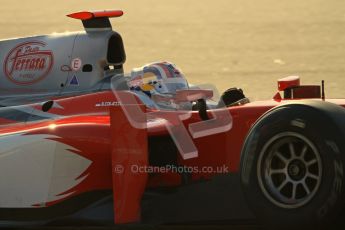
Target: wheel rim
<point x="289" y="170"/>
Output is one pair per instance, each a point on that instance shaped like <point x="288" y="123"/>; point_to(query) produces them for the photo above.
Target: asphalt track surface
<point x="228" y="43"/>
<point x="173" y="227"/>
<point x="158" y="209"/>
<point x="181" y="227"/>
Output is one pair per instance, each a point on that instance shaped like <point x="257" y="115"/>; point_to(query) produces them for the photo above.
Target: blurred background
<point x="243" y="43"/>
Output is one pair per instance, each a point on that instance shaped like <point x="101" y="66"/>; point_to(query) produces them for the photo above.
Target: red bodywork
<point x="96" y="128"/>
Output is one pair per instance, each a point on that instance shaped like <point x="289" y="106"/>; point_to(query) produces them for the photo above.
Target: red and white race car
<point x="104" y="156"/>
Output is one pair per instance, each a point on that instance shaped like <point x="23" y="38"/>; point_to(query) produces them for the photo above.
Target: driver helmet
<point x="162" y="78"/>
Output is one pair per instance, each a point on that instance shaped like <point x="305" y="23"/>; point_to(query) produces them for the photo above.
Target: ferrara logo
<point x="28" y="63"/>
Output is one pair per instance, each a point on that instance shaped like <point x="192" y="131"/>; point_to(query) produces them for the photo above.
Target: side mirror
<point x="288" y="82"/>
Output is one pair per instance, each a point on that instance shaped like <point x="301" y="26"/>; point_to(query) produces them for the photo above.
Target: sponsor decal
<point x="74" y="81"/>
<point x="108" y="104"/>
<point x="28" y="63"/>
<point x="65" y="68"/>
<point x="76" y="64"/>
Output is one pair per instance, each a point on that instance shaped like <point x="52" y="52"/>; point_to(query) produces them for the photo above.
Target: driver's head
<point x="159" y="78"/>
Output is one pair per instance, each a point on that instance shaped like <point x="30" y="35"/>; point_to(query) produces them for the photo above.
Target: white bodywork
<point x="35" y="170"/>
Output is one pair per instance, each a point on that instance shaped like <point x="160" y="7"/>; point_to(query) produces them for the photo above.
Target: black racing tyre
<point x="292" y="165"/>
